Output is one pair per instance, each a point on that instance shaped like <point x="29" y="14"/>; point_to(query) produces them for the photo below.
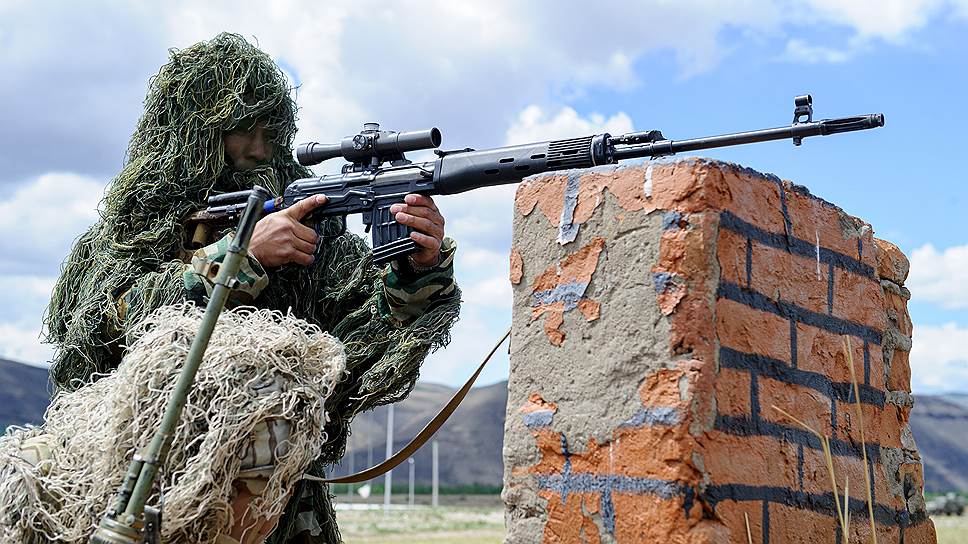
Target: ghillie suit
<point x="261" y="367"/>
<point x="134" y="259"/>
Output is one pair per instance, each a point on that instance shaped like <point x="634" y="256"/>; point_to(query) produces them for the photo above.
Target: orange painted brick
<point x="752" y="460"/>
<point x="806" y="404"/>
<point x="567" y="523"/>
<point x="646" y="518"/>
<point x="752" y="331"/>
<point x="732" y="390"/>
<point x="899" y="376"/>
<point x="796" y="279"/>
<point x="693" y="326"/>
<point x="734" y="515"/>
<point x="812" y="218"/>
<point x="822" y="351"/>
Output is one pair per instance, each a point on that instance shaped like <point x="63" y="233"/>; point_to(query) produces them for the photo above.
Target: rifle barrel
<point x="795" y="132"/>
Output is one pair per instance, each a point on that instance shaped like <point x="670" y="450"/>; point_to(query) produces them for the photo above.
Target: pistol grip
<point x="391" y="240"/>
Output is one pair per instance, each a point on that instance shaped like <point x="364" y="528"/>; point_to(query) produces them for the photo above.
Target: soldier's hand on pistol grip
<point x="280" y="238"/>
<point x="421" y="214"/>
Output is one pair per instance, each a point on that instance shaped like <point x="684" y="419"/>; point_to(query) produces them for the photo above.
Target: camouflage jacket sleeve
<point x="200" y="274"/>
<point x="407" y="293"/>
<point x="197" y="280"/>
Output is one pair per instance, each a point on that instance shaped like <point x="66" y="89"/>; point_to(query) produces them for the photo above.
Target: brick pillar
<point x="659" y="311"/>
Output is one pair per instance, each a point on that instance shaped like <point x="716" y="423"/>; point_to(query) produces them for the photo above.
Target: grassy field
<point x="485" y="525"/>
<point x="951" y="530"/>
<point x="457" y="525"/>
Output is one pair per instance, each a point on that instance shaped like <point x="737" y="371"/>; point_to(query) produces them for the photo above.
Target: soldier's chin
<point x="234" y="179"/>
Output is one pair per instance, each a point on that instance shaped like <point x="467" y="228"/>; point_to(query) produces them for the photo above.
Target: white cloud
<point x="485" y="72"/>
<point x="45" y="216"/>
<point x="535" y="125"/>
<point x="939" y="359"/>
<point x="800" y="51"/>
<point x="888" y="19"/>
<point x="21" y="343"/>
<point x="940" y="277"/>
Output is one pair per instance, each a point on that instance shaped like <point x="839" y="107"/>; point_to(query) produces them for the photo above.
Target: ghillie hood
<point x="174" y="160"/>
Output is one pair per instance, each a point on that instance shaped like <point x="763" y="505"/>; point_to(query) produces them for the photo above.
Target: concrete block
<point x="660" y="311"/>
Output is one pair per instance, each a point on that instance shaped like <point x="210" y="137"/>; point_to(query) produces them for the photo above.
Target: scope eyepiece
<point x="369" y="143"/>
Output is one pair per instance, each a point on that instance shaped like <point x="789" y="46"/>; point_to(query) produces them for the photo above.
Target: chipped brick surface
<point x="706" y="293"/>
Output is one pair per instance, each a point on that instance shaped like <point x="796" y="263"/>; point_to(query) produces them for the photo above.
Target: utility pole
<point x="369" y="443"/>
<point x="410" y="496"/>
<point x="433" y="485"/>
<point x="388" y="477"/>
<point x="349" y="487"/>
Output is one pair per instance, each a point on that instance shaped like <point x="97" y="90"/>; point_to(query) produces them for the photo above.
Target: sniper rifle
<point x="378" y="175"/>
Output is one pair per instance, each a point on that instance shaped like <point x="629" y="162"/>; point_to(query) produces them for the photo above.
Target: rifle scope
<point x="370" y="142"/>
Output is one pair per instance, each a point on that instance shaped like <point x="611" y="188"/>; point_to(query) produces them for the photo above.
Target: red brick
<point x="795" y="526"/>
<point x="882" y="426"/>
<point x="816" y="477"/>
<point x="804" y="403"/>
<point x="821" y="351"/>
<point x="896" y="306"/>
<point x="732" y="390"/>
<point x="732" y="515"/>
<point x="795" y="279"/>
<point x="892" y="264"/>
<point x="748" y="195"/>
<point x="811" y="217"/>
<point x="899" y="377"/>
<point x="750" y="460"/>
<point x="752" y="331"/>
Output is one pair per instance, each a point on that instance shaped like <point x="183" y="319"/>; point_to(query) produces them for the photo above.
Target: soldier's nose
<point x="258" y="148"/>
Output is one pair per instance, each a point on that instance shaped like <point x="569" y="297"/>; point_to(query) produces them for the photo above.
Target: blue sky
<point x="499" y="72"/>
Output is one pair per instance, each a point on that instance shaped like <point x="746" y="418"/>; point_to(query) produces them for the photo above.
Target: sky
<point x="499" y="72"/>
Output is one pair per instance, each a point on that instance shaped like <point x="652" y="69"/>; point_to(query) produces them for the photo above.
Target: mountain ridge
<point x="471" y="441"/>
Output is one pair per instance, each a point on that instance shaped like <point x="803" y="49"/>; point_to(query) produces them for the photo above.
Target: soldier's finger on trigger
<point x="300" y="209"/>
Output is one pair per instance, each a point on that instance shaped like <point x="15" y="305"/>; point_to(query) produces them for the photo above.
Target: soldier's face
<point x="248" y="146"/>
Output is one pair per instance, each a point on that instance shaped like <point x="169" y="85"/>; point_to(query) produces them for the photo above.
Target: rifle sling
<point x="436" y="423"/>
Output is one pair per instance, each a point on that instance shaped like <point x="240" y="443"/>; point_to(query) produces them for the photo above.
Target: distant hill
<point x="940" y="427"/>
<point x="470" y="442"/>
<point x="23" y="393"/>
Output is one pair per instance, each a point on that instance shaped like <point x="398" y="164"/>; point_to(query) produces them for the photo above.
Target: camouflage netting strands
<point x="90" y="435"/>
<point x="175" y="159"/>
<point x="133" y="260"/>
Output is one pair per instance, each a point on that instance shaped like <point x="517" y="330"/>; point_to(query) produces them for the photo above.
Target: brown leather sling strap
<point x="421" y="437"/>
